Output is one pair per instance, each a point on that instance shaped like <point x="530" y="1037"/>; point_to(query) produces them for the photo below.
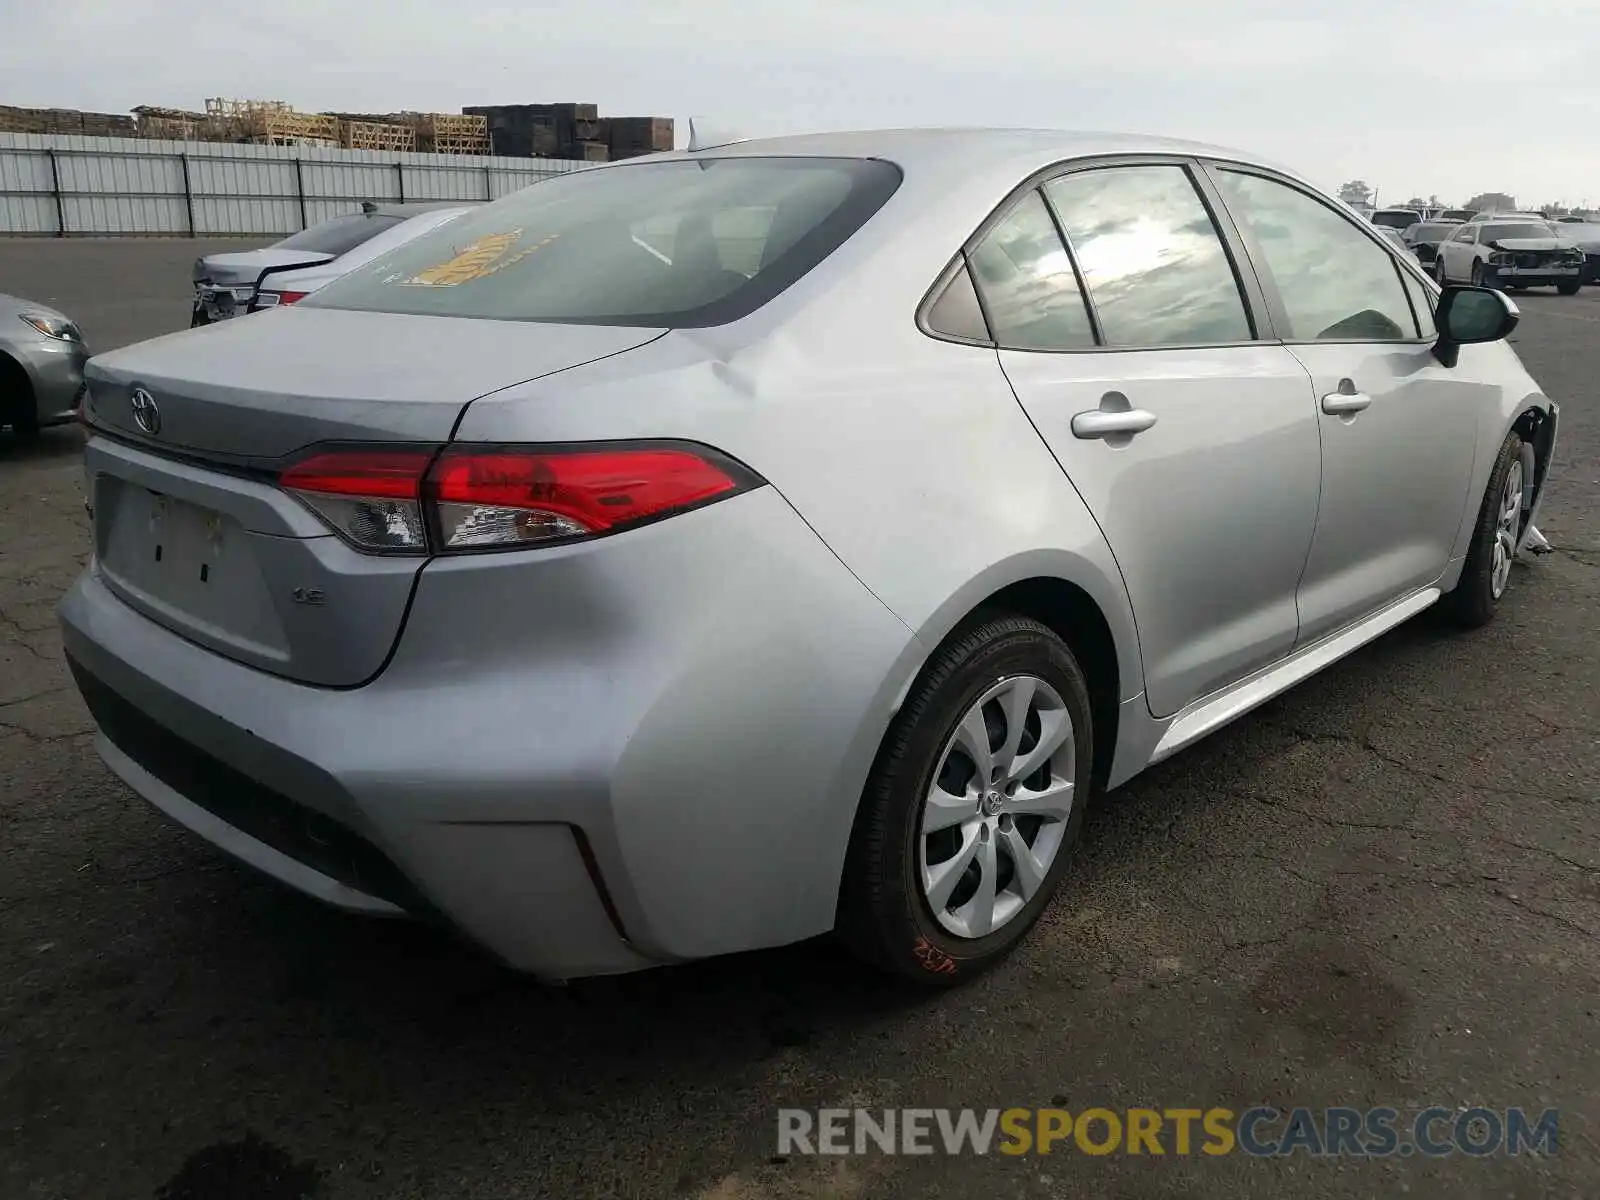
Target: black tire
<point x="1477" y="275"/>
<point x="1438" y="271"/>
<point x="198" y="317"/>
<point x="1569" y="289"/>
<point x="1472" y="601"/>
<point x="884" y="915"/>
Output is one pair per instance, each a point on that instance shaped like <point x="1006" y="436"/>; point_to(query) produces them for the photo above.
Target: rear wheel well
<point x="16" y="394"/>
<point x="1073" y="616"/>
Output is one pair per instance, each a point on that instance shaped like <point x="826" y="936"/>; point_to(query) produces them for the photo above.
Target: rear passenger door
<point x="1128" y="336"/>
<point x="1399" y="429"/>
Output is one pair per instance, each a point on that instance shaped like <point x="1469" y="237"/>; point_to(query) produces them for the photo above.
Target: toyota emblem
<point x="145" y="413"/>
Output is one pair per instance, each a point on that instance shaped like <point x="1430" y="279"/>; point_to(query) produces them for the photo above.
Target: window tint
<point x="680" y="244"/>
<point x="1151" y="258"/>
<point x="1469" y="234"/>
<point x="1336" y="283"/>
<point x="1494" y="233"/>
<point x="340" y="235"/>
<point x="1028" y="286"/>
<point x="1421" y="303"/>
<point x="1395" y="220"/>
<point x="956" y="313"/>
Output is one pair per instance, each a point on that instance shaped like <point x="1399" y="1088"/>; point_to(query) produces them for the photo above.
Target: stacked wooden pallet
<point x="376" y="135"/>
<point x="65" y="121"/>
<point x="291" y="128"/>
<point x="172" y="124"/>
<point x="451" y="133"/>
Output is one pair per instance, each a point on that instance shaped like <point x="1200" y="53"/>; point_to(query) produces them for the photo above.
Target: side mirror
<point x="1468" y="316"/>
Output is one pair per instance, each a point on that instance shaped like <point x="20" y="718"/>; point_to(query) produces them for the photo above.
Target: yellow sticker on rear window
<point x="481" y="258"/>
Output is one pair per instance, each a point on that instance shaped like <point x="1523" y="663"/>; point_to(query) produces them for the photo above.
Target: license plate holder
<point x="175" y="554"/>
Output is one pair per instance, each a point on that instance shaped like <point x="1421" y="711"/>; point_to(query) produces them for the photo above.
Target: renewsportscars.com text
<point x="1259" y="1132"/>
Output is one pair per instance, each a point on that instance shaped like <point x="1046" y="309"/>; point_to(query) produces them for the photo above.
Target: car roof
<point x="962" y="150"/>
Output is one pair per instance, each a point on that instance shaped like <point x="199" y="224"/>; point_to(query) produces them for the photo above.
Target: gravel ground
<point x="1381" y="889"/>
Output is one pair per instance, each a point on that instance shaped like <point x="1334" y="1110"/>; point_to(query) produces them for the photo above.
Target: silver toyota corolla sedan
<point x="42" y="355"/>
<point x="709" y="551"/>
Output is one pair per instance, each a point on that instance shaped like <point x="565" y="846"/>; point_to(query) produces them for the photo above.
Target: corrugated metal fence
<point x="65" y="186"/>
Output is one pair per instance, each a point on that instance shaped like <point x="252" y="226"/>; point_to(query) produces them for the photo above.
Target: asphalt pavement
<point x="1382" y="889"/>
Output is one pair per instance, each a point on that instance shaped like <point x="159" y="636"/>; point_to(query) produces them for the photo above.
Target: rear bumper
<point x="653" y="753"/>
<point x="55" y="369"/>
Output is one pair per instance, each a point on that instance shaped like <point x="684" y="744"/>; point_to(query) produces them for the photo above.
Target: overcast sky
<point x="1426" y="96"/>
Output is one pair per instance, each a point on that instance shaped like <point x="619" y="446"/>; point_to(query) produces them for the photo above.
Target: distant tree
<point x="1417" y="202"/>
<point x="1435" y="202"/>
<point x="1357" y="191"/>
<point x="1491" y="201"/>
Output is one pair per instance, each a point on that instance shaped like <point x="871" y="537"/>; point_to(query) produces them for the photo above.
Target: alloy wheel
<point x="995" y="816"/>
<point x="1508" y="521"/>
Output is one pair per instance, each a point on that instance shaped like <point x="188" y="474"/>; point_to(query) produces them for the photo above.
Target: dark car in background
<point x="1423" y="238"/>
<point x="1586" y="236"/>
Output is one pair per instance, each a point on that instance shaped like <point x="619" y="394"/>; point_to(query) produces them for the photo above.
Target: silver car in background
<point x="42" y="356"/>
<point x="706" y="552"/>
<point x="233" y="282"/>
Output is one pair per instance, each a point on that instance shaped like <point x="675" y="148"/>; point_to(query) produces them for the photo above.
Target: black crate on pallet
<point x="632" y="136"/>
<point x="545" y="142"/>
<point x="515" y="128"/>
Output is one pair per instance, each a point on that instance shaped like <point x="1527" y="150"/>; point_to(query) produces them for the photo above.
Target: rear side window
<point x="1336" y="283"/>
<point x="956" y="313"/>
<point x="1151" y="258"/>
<point x="340" y="235"/>
<point x="681" y="244"/>
<point x="1029" y="289"/>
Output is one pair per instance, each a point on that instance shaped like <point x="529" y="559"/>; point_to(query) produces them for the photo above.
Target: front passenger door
<point x="1194" y="444"/>
<point x="1399" y="429"/>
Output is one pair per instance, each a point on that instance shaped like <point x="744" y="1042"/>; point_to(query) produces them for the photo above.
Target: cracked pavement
<point x="1382" y="888"/>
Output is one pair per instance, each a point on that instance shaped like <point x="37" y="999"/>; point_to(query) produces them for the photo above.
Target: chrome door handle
<point x="1101" y="423"/>
<point x="1344" y="404"/>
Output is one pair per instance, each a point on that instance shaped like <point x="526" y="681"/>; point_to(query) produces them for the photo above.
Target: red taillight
<point x="395" y="474"/>
<point x="495" y="497"/>
<point x="371" y="497"/>
<point x="275" y="299"/>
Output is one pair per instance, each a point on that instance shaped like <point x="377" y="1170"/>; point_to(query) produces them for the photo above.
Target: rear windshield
<point x="1495" y="233"/>
<point x="1433" y="231"/>
<point x="340" y="235"/>
<point x="676" y="244"/>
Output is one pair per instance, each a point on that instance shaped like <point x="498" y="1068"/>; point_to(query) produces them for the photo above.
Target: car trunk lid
<point x="190" y="526"/>
<point x="243" y="267"/>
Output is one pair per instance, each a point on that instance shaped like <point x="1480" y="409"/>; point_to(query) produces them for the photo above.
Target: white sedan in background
<point x="236" y="282"/>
